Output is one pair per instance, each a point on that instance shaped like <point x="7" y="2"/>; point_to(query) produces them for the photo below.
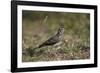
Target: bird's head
<point x="61" y="29"/>
<point x="61" y="25"/>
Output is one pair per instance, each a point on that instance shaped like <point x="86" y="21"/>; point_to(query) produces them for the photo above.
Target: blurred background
<point x="38" y="26"/>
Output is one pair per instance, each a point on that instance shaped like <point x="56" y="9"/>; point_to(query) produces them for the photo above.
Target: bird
<point x="56" y="38"/>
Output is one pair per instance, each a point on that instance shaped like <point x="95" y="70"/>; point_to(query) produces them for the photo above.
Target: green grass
<point x="39" y="26"/>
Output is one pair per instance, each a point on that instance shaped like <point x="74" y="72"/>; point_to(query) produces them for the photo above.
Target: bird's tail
<point x="40" y="46"/>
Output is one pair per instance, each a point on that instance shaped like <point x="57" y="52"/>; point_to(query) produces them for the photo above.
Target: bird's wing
<point x="50" y="41"/>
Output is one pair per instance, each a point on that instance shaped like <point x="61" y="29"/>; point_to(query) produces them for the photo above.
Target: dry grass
<point x="68" y="50"/>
